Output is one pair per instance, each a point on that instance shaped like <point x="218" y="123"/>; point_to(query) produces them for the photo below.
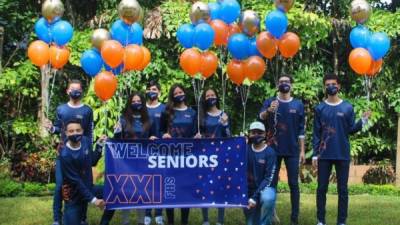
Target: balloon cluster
<point x="53" y="34"/>
<point x="369" y="48"/>
<point x="118" y="51"/>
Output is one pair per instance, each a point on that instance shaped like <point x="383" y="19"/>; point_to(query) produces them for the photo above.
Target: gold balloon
<point x="129" y="11"/>
<point x="249" y="22"/>
<point x="360" y="11"/>
<point x="285" y="5"/>
<point x="199" y="13"/>
<point x="52" y="10"/>
<point x="99" y="36"/>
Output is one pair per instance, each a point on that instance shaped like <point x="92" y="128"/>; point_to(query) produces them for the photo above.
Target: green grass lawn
<point x="363" y="210"/>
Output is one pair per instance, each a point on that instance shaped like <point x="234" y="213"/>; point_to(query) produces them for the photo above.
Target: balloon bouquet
<point x="366" y="58"/>
<point x="50" y="52"/>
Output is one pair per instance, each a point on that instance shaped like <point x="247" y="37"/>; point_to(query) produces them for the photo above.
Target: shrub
<point x="382" y="174"/>
<point x="33" y="189"/>
<point x="9" y="188"/>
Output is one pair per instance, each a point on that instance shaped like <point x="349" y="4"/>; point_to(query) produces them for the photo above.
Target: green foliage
<point x="9" y="188"/>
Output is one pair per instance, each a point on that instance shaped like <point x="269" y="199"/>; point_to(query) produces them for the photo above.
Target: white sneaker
<point x="206" y="223"/>
<point x="159" y="220"/>
<point x="319" y="223"/>
<point x="147" y="220"/>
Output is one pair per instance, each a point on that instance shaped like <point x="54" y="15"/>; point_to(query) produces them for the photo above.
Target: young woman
<point x="214" y="124"/>
<point x="178" y="121"/>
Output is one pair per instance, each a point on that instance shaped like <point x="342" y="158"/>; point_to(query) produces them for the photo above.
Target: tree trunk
<point x="44" y="100"/>
<point x="398" y="153"/>
<point x="335" y="46"/>
<point x="1" y="48"/>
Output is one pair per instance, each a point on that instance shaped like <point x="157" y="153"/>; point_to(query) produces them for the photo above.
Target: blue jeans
<point x="263" y="212"/>
<point x="57" y="198"/>
<point x="342" y="174"/>
<point x="158" y="212"/>
<point x="220" y="219"/>
<point x="292" y="168"/>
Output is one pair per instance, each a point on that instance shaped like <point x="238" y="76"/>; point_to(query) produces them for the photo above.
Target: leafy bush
<point x="382" y="174"/>
<point x="33" y="189"/>
<point x="9" y="188"/>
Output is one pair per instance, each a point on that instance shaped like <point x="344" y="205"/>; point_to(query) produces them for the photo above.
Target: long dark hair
<point x="171" y="104"/>
<point x="128" y="115"/>
<point x="203" y="104"/>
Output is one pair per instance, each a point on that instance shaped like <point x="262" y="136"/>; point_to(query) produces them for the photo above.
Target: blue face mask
<point x="257" y="139"/>
<point x="179" y="98"/>
<point x="284" y="88"/>
<point x="211" y="102"/>
<point x="75" y="138"/>
<point x="75" y="94"/>
<point x="136" y="106"/>
<point x="152" y="95"/>
<point x="332" y="90"/>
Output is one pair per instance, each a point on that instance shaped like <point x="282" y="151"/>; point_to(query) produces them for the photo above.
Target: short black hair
<point x="75" y="81"/>
<point x="153" y="83"/>
<point x="286" y="75"/>
<point x="72" y="121"/>
<point x="330" y="76"/>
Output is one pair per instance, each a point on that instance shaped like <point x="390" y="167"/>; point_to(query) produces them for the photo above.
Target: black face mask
<point x="75" y="94"/>
<point x="75" y="138"/>
<point x="257" y="139"/>
<point x="136" y="106"/>
<point x="179" y="98"/>
<point x="332" y="90"/>
<point x="284" y="88"/>
<point x="152" y="95"/>
<point x="211" y="102"/>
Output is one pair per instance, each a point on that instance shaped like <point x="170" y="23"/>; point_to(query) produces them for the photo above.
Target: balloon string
<point x="105" y="112"/>
<point x="51" y="90"/>
<point x="198" y="86"/>
<point x="244" y="94"/>
<point x="367" y="86"/>
<point x="223" y="76"/>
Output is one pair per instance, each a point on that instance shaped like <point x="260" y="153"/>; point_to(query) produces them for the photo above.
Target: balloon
<point x="199" y="13"/>
<point x="134" y="57"/>
<point x="105" y="85"/>
<point x="190" y="61"/>
<point x="276" y="23"/>
<point x="203" y="36"/>
<point x="112" y="53"/>
<point x="360" y="10"/>
<point x="221" y="30"/>
<point x="289" y="45"/>
<point x="215" y="9"/>
<point x="359" y="37"/>
<point x="91" y="62"/>
<point x="185" y="35"/>
<point x="267" y="45"/>
<point x="42" y="30"/>
<point x="127" y="34"/>
<point x="254" y="68"/>
<point x="238" y="46"/>
<point x="375" y="68"/>
<point x="129" y="11"/>
<point x="249" y="23"/>
<point x="233" y="29"/>
<point x="135" y="33"/>
<point x="209" y="64"/>
<point x="99" y="36"/>
<point x="284" y="5"/>
<point x="62" y="32"/>
<point x="360" y="60"/>
<point x="38" y="53"/>
<point x="59" y="56"/>
<point x="146" y="58"/>
<point x="229" y="11"/>
<point x="116" y="71"/>
<point x="52" y="10"/>
<point x="378" y="45"/>
<point x="235" y="71"/>
<point x="253" y="51"/>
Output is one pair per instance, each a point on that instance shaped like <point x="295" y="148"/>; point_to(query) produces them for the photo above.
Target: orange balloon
<point x="112" y="53"/>
<point x="190" y="61"/>
<point x="289" y="45"/>
<point x="105" y="85"/>
<point x="233" y="29"/>
<point x="38" y="53"/>
<point x="133" y="57"/>
<point x="221" y="30"/>
<point x="254" y="68"/>
<point x="360" y="60"/>
<point x="267" y="45"/>
<point x="146" y="58"/>
<point x="59" y="56"/>
<point x="235" y="71"/>
<point x="375" y="68"/>
<point x="209" y="64"/>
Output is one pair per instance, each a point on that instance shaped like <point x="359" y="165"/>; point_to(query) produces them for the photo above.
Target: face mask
<point x="136" y="106"/>
<point x="284" y="88"/>
<point x="75" y="94"/>
<point x="179" y="98"/>
<point x="152" y="95"/>
<point x="257" y="139"/>
<point x="75" y="138"/>
<point x="211" y="102"/>
<point x="332" y="90"/>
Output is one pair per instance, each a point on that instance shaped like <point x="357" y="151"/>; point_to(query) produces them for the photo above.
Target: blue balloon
<point x="238" y="46"/>
<point x="62" y="32"/>
<point x="229" y="11"/>
<point x="185" y="35"/>
<point x="378" y="45"/>
<point x="116" y="71"/>
<point x="42" y="30"/>
<point x="359" y="37"/>
<point x="203" y="36"/>
<point x="215" y="9"/>
<point x="135" y="33"/>
<point x="276" y="23"/>
<point x="120" y="32"/>
<point x="91" y="62"/>
<point x="253" y="50"/>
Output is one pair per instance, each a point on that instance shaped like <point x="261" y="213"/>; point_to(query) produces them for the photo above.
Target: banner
<point x="175" y="173"/>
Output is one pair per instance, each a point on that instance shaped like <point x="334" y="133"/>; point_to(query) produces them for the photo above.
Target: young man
<point x="77" y="158"/>
<point x="334" y="121"/>
<point x="74" y="109"/>
<point x="155" y="110"/>
<point x="261" y="164"/>
<point x="285" y="118"/>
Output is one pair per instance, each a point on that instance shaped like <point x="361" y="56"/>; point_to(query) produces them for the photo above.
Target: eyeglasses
<point x="284" y="82"/>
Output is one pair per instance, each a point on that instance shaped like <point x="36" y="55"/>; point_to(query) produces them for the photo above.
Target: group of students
<point x="277" y="136"/>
